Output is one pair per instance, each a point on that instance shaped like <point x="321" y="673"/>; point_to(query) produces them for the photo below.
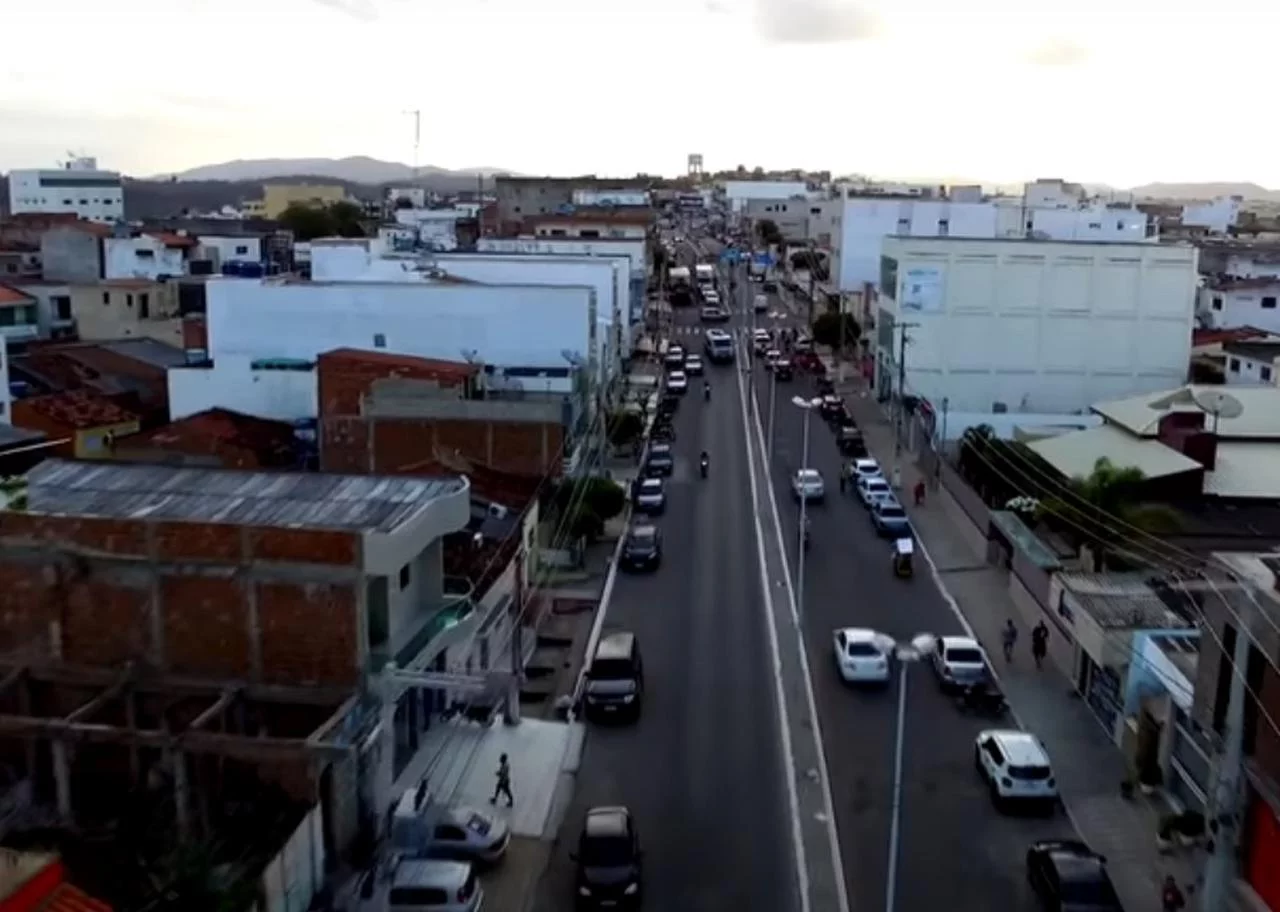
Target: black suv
<point x="608" y="860"/>
<point x="643" y="548"/>
<point x="615" y="679"/>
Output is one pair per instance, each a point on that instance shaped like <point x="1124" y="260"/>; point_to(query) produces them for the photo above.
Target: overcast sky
<point x="1115" y="91"/>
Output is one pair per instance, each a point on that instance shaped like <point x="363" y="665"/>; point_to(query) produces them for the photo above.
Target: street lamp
<point x="808" y="405"/>
<point x="906" y="655"/>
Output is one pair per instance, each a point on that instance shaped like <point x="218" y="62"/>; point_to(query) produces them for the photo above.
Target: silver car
<point x="872" y="488"/>
<point x="466" y="834"/>
<point x="434" y="886"/>
<point x="959" y="661"/>
<point x="807" y="485"/>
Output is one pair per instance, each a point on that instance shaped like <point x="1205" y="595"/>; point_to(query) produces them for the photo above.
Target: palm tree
<point x="1106" y="510"/>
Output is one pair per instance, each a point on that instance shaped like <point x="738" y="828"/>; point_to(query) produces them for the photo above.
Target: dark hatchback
<point x="782" y="369"/>
<point x="1068" y="876"/>
<point x="609" y="860"/>
<point x="659" y="461"/>
<point x="642" y="550"/>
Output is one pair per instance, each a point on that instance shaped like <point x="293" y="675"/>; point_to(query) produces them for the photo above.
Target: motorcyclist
<point x="704" y="463"/>
<point x="706" y="391"/>
<point x="805" y="531"/>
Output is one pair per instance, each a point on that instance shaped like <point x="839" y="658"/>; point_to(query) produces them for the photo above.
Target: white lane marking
<point x="780" y="696"/>
<point x="833" y="835"/>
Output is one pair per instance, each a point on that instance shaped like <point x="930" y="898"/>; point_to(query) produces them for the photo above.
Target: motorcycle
<point x="984" y="699"/>
<point x="704" y="465"/>
<point x="706" y="392"/>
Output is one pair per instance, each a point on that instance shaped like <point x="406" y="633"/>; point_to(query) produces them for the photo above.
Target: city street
<point x="957" y="851"/>
<point x="702" y="770"/>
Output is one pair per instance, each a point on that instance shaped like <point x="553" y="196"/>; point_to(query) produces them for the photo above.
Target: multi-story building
<point x="151" y="255"/>
<point x="1229" y="303"/>
<point x="19" y="315"/>
<point x="78" y="187"/>
<point x="520" y="197"/>
<point x="276" y="198"/>
<point x="791" y="216"/>
<point x="1217" y="216"/>
<point x="1025" y="325"/>
<point x="623" y="224"/>
<point x="127" y="308"/>
<point x="737" y="193"/>
<point x="636" y="251"/>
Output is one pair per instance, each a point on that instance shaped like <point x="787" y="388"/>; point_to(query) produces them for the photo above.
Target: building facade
<point x="80" y="188"/>
<point x="1231" y="303"/>
<point x="146" y="256"/>
<point x="1033" y="326"/>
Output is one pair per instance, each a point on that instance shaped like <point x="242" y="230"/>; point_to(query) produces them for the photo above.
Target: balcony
<point x="452" y="622"/>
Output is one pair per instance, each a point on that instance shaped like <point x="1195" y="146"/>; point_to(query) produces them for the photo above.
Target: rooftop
<point x="11" y="295"/>
<point x="1234" y="284"/>
<point x="1027" y="241"/>
<point x="358" y="503"/>
<point x="1254" y="350"/>
<point x="459" y="370"/>
<point x="172" y="238"/>
<point x="11" y="436"/>
<point x="1120" y="601"/>
<point x="1202" y="337"/>
<point x="1075" y="453"/>
<point x="79" y="409"/>
<point x="211" y="432"/>
<point x="149" y="351"/>
<point x="1259" y="419"/>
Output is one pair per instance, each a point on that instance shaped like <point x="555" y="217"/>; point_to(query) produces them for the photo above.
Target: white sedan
<point x="862" y="655"/>
<point x="872" y="488"/>
<point x="807" y="485"/>
<point x="677" y="382"/>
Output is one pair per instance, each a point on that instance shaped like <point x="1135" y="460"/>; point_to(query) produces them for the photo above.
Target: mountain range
<point x="357" y="169"/>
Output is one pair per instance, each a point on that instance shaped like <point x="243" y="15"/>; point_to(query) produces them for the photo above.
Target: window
<point x="242" y="249"/>
<point x="1096" y="226"/>
<point x="1234" y="365"/>
<point x="1269" y="302"/>
<point x="145" y="254"/>
<point x="1119" y="225"/>
<point x="1217" y="303"/>
<point x="106" y="299"/>
<point x="814" y="210"/>
<point x="11" y="267"/>
<point x="379" y="340"/>
<point x="405" y="576"/>
<point x="128" y="300"/>
<point x="84" y="202"/>
<point x="66" y="202"/>
<point x="144" y="306"/>
<point x="1264" y="374"/>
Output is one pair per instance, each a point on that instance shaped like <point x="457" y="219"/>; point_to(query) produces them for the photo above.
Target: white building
<point x="1033" y="326"/>
<point x="437" y="229"/>
<point x="1252" y="362"/>
<point x="1052" y="193"/>
<point x="78" y="187"/>
<point x="417" y="196"/>
<point x="1217" y="216"/>
<point x="147" y="256"/>
<point x="737" y="193"/>
<point x="617" y="197"/>
<point x="1233" y="303"/>
<point x="636" y="252"/>
<point x="864" y="223"/>
<point x="237" y="248"/>
<point x="264" y="336"/>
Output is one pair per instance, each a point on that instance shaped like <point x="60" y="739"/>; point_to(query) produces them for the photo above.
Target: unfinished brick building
<point x="186" y="620"/>
<point x="396" y="414"/>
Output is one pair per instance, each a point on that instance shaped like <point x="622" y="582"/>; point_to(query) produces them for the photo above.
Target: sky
<point x="1121" y="92"/>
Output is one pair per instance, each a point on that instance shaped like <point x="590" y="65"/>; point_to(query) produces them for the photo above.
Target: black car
<point x="850" y="442"/>
<point x="783" y="369"/>
<point x="659" y="461"/>
<point x="642" y="549"/>
<point x="1068" y="876"/>
<point x="609" y="860"/>
<point x="770" y="287"/>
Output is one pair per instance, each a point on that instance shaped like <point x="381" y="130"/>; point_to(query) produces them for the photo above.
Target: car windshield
<point x="606" y="852"/>
<point x="877" y="484"/>
<point x="807" y="476"/>
<point x="859" y="650"/>
<point x="660" y="449"/>
<point x="651" y="484"/>
<point x="892" y="511"/>
<point x="964" y="655"/>
<point x="643" y="537"/>
<point x="1092" y="889"/>
<point x="1030" y="773"/>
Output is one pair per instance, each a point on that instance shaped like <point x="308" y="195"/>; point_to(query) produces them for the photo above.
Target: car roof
<point x="959" y="643"/>
<point x="644" y="531"/>
<point x="888" y="502"/>
<point x="651" y="482"/>
<point x="618" y="645"/>
<point x="864" y="461"/>
<point x="1067" y="849"/>
<point x="807" y="473"/>
<point x="606" y="821"/>
<point x="659" y="446"/>
<point x="861" y="634"/>
<point x="1020" y="748"/>
<point x="448" y="875"/>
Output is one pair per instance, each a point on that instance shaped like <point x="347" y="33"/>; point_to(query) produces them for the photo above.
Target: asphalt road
<point x="702" y="770"/>
<point x="957" y="852"/>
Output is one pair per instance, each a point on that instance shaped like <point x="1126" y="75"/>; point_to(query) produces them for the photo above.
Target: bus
<point x="719" y="346"/>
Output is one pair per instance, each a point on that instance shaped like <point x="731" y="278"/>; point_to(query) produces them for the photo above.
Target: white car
<point x="959" y="661"/>
<point x="693" y="365"/>
<point x="677" y="381"/>
<point x="434" y="886"/>
<point x="1015" y="766"/>
<point x="872" y="488"/>
<point x="760" y="341"/>
<point x="761" y="304"/>
<point x="862" y="655"/>
<point x="650" y="496"/>
<point x="467" y="834"/>
<point x="807" y="485"/>
<point x="866" y="468"/>
<point x="771" y="357"/>
<point x="674" y="357"/>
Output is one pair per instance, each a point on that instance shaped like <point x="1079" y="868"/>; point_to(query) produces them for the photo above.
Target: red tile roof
<point x="68" y="898"/>
<point x="10" y="295"/>
<point x="78" y="409"/>
<point x="172" y="239"/>
<point x="1217" y="336"/>
<point x="214" y="432"/>
<point x="1244" y="284"/>
<point x="459" y="370"/>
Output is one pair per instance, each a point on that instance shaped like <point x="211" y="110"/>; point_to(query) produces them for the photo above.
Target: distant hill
<point x="359" y="169"/>
<point x="1207" y="191"/>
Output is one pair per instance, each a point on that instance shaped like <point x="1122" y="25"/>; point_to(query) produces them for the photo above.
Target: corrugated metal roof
<point x="1075" y="454"/>
<point x="1120" y="601"/>
<point x="1141" y="414"/>
<point x="363" y="503"/>
<point x="1245" y="470"/>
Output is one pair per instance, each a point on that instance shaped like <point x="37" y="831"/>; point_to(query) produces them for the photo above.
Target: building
<point x="53" y="307"/>
<point x="79" y="187"/>
<point x="221" y="249"/>
<point x="1218" y="216"/>
<point x="1229" y="303"/>
<point x="520" y="197"/>
<point x="1053" y="193"/>
<point x="264" y="337"/>
<point x="155" y="255"/>
<point x="636" y="252"/>
<point x="1252" y="362"/>
<point x="218" y="438"/>
<point x="88" y="423"/>
<point x="1239" y="641"/>
<point x="1032" y="326"/>
<point x="19" y="260"/>
<point x="127" y="308"/>
<point x="72" y="252"/>
<point x="1184" y="452"/>
<point x="612" y="196"/>
<point x="130" y="372"/>
<point x="391" y="415"/>
<point x="19" y="315"/>
<point x="791" y="215"/>
<point x="276" y="198"/>
<point x="417" y="197"/>
<point x="737" y="193"/>
<point x="433" y="229"/>
<point x="622" y="224"/>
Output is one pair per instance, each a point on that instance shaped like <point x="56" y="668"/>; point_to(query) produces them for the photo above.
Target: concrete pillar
<point x="385" y="773"/>
<point x="181" y="794"/>
<point x="511" y="706"/>
<point x="62" y="780"/>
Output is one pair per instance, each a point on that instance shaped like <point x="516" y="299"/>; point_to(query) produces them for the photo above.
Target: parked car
<point x="1016" y="767"/>
<point x="674" y="359"/>
<point x="831" y="406"/>
<point x="958" y="661"/>
<point x="677" y="382"/>
<point x="872" y="488"/>
<point x="782" y="369"/>
<point x="850" y="442"/>
<point x="650" y="496"/>
<point x="693" y="365"/>
<point x="467" y="834"/>
<point x="864" y="467"/>
<point x="434" y="886"/>
<point x="807" y="486"/>
<point x="642" y="549"/>
<point x="890" y="519"/>
<point x="863" y="655"/>
<point x="660" y="461"/>
<point x="1065" y="874"/>
<point x="771" y="357"/>
<point x="609" y="860"/>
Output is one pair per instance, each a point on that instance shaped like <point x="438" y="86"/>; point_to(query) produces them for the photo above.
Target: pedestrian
<point x="1171" y="898"/>
<point x="1039" y="644"/>
<point x="1009" y="638"/>
<point x="920" y="493"/>
<point x="503" y="785"/>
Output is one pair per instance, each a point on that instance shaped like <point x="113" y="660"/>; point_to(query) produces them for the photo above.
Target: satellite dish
<point x="1217" y="403"/>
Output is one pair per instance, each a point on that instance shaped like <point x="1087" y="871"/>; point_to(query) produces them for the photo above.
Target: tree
<point x="1105" y="507"/>
<point x="403" y="202"/>
<point x="307" y="222"/>
<point x="347" y="219"/>
<point x="836" y="330"/>
<point x="625" y="428"/>
<point x="767" y="231"/>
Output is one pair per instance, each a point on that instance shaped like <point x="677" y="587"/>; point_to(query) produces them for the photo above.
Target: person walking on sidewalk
<point x="1009" y="638"/>
<point x="1039" y="644"/>
<point x="1171" y="898"/>
<point x="919" y="493"/>
<point x="503" y="785"/>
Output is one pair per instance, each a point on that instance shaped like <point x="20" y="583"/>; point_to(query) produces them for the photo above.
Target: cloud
<point x="1058" y="52"/>
<point x="363" y="10"/>
<point x="815" y="21"/>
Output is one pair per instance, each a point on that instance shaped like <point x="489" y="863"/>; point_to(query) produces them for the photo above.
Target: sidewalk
<point x="1088" y="766"/>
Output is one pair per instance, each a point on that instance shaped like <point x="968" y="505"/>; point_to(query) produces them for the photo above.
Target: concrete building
<point x="19" y="315"/>
<point x="276" y="198"/>
<point x="790" y="215"/>
<point x="612" y="196"/>
<point x="19" y="261"/>
<point x="1218" y="216"/>
<point x="230" y="248"/>
<point x="521" y="197"/>
<point x="79" y="187"/>
<point x="219" y="439"/>
<point x="418" y="197"/>
<point x="146" y="256"/>
<point x="1033" y="326"/>
<point x="1229" y="303"/>
<point x="737" y="193"/>
<point x="73" y="252"/>
<point x="636" y="252"/>
<point x="127" y="308"/>
<point x="263" y="337"/>
<point x="1053" y="193"/>
<point x="1235" y="259"/>
<point x="88" y="423"/>
<point x="53" y="307"/>
<point x="1251" y="362"/>
<point x="433" y="229"/>
<point x="623" y="224"/>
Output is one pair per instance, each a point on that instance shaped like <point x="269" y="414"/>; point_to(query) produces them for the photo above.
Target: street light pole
<point x="773" y="406"/>
<point x="905" y="654"/>
<point x="808" y="405"/>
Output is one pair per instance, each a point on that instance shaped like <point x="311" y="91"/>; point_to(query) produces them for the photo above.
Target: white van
<point x="762" y="303"/>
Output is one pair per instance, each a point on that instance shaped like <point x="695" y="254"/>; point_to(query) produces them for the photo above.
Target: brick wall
<point x="408" y="445"/>
<point x="344" y="380"/>
<point x="279" y="606"/>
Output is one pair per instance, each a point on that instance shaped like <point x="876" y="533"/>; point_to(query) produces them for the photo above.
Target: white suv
<point x="1015" y="766"/>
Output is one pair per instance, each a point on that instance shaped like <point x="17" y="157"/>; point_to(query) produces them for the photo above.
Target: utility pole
<point x="1223" y="825"/>
<point x="900" y="409"/>
<point x="416" y="114"/>
<point x="813" y="280"/>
